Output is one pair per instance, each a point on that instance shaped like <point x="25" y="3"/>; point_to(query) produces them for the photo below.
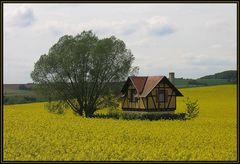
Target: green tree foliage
<point x="78" y="70"/>
<point x="192" y="108"/>
<point x="195" y="82"/>
<point x="19" y="99"/>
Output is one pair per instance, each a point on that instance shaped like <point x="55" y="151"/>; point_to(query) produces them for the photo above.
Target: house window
<point x="133" y="95"/>
<point x="162" y="96"/>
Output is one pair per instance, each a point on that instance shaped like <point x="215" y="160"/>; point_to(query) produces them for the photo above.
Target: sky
<point x="192" y="40"/>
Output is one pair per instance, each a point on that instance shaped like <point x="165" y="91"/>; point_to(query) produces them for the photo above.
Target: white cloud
<point x="216" y="46"/>
<point x="155" y="20"/>
<point x="158" y="25"/>
<point x="21" y="17"/>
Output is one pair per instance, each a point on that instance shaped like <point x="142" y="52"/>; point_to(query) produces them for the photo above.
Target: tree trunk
<point x="89" y="110"/>
<point x="80" y="111"/>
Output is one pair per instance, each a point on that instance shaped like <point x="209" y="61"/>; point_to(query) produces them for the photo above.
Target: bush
<point x="196" y="83"/>
<point x="192" y="108"/>
<point x="56" y="107"/>
<point x="18" y="99"/>
<point x="142" y="116"/>
<point x="29" y="99"/>
<point x="110" y="102"/>
<point x="14" y="100"/>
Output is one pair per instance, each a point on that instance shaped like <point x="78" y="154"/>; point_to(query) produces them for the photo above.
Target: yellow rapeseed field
<point x="32" y="133"/>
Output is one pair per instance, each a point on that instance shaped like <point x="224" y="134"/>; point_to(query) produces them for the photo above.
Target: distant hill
<point x="225" y="77"/>
<point x="230" y="75"/>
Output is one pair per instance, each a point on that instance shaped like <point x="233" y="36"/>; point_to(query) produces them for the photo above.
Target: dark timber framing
<point x="164" y="95"/>
<point x="153" y="101"/>
<point x="147" y="102"/>
<point x="170" y="99"/>
<point x="147" y="99"/>
<point x="157" y="90"/>
<point x="143" y="102"/>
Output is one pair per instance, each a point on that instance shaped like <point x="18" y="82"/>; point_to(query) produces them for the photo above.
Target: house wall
<point x="128" y="104"/>
<point x="151" y="102"/>
<point x="141" y="104"/>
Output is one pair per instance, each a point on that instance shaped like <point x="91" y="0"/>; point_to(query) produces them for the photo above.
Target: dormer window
<point x="133" y="97"/>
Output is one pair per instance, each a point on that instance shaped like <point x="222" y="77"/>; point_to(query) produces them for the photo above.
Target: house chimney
<point x="171" y="77"/>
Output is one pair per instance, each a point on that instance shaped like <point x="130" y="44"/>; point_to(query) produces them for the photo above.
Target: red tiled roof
<point x="145" y="84"/>
<point x="139" y="82"/>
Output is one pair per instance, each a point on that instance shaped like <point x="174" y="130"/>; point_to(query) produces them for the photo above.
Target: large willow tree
<point x="79" y="70"/>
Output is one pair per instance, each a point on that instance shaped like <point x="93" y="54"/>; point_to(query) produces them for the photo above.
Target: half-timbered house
<point x="149" y="93"/>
